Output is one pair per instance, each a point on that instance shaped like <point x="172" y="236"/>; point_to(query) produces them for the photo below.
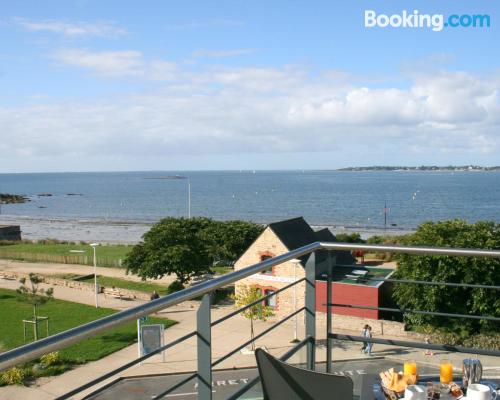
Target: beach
<point x="126" y="232"/>
<point x="113" y="232"/>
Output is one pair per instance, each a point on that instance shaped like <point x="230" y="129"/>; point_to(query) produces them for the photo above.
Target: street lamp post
<point x="295" y="262"/>
<point x="189" y="197"/>
<point x="94" y="245"/>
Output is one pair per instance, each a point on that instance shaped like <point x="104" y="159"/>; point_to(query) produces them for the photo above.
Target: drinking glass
<point x="410" y="367"/>
<point x="445" y="371"/>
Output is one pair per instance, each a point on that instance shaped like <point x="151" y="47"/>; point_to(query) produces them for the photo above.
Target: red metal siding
<point x="349" y="294"/>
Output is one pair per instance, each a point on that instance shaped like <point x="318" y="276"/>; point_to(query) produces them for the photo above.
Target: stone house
<point x="279" y="238"/>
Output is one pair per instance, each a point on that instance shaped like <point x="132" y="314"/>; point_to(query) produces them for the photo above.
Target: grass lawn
<point x="65" y="315"/>
<point x="126" y="284"/>
<point x="107" y="255"/>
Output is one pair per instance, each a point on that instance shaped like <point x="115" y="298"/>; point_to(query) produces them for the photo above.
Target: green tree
<point x="229" y="239"/>
<point x="34" y="295"/>
<point x="188" y="247"/>
<point x="258" y="312"/>
<point x="479" y="270"/>
<point x="172" y="246"/>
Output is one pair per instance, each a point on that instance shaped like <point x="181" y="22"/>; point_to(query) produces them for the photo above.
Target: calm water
<point x="322" y="197"/>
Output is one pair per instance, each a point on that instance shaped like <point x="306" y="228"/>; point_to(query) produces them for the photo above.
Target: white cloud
<point x="116" y="64"/>
<point x="71" y="29"/>
<point x="104" y="63"/>
<point x="260" y="110"/>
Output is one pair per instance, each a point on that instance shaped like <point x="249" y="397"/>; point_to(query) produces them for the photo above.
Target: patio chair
<point x="283" y="381"/>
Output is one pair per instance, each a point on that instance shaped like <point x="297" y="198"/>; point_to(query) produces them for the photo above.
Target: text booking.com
<point x="436" y="22"/>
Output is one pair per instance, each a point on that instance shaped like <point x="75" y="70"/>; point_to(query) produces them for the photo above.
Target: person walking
<point x="363" y="333"/>
<point x="369" y="345"/>
<point x="154" y="295"/>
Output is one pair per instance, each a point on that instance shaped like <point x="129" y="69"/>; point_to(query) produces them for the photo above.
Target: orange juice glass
<point x="410" y="367"/>
<point x="445" y="371"/>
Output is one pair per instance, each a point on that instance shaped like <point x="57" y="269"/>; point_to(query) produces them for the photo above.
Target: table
<point x="370" y="386"/>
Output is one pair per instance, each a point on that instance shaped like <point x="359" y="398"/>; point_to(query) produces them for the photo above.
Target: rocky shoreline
<point x="7" y="198"/>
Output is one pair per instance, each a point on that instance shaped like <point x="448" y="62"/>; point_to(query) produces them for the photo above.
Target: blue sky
<point x="121" y="85"/>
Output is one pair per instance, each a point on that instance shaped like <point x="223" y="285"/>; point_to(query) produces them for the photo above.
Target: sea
<point x="369" y="202"/>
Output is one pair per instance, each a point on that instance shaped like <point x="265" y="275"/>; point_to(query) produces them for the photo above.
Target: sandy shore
<point x="76" y="230"/>
<point x="124" y="232"/>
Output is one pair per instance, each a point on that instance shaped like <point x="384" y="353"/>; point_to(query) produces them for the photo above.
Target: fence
<point x="60" y="258"/>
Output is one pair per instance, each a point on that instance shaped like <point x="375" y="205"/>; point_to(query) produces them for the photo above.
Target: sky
<point x="89" y="85"/>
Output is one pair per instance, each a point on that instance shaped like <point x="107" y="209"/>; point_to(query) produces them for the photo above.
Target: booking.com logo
<point x="436" y="22"/>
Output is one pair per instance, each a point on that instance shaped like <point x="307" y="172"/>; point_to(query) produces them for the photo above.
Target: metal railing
<point x="204" y="324"/>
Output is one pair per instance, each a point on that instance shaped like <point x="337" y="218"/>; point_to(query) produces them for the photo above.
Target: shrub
<point x="50" y="359"/>
<point x="175" y="286"/>
<point x="349" y="238"/>
<point x="483" y="341"/>
<point x="13" y="376"/>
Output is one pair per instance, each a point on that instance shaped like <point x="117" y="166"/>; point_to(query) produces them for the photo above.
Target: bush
<point x="478" y="341"/>
<point x="386" y="240"/>
<point x="13" y="376"/>
<point x="483" y="341"/>
<point x="471" y="270"/>
<point x="349" y="238"/>
<point x="50" y="371"/>
<point x="175" y="286"/>
<point x="50" y="359"/>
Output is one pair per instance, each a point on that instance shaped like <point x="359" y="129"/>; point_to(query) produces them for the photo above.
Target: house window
<point x="267" y="271"/>
<point x="270" y="301"/>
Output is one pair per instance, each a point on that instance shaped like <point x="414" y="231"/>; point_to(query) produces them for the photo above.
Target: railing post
<point x="204" y="348"/>
<point x="331" y="260"/>
<point x="310" y="305"/>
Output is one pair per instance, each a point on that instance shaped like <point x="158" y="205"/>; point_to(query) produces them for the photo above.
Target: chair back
<point x="283" y="381"/>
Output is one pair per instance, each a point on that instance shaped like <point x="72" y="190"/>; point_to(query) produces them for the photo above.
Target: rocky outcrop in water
<point x="7" y="198"/>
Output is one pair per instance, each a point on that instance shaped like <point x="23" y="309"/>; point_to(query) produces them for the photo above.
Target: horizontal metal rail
<point x="408" y="311"/>
<point x="416" y="345"/>
<point x="176" y="386"/>
<point x="432" y="283"/>
<point x="175" y="342"/>
<point x="260" y="300"/>
<point x="284" y="357"/>
<point x="125" y="366"/>
<point x="418" y="250"/>
<point x="263" y="333"/>
<point x="63" y="339"/>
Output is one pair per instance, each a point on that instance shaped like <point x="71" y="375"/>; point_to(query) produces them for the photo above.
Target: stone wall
<point x="379" y="327"/>
<point x="10" y="232"/>
<point x="75" y="284"/>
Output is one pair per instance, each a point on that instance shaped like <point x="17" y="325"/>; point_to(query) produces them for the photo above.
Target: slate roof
<point x="296" y="232"/>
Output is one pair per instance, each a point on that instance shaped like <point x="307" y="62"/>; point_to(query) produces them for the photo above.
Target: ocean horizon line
<point x="388" y="168"/>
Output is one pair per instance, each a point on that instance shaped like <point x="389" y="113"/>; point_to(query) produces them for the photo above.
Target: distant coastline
<point x="433" y="168"/>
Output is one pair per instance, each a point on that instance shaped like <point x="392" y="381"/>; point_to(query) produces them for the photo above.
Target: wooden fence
<point x="61" y="258"/>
